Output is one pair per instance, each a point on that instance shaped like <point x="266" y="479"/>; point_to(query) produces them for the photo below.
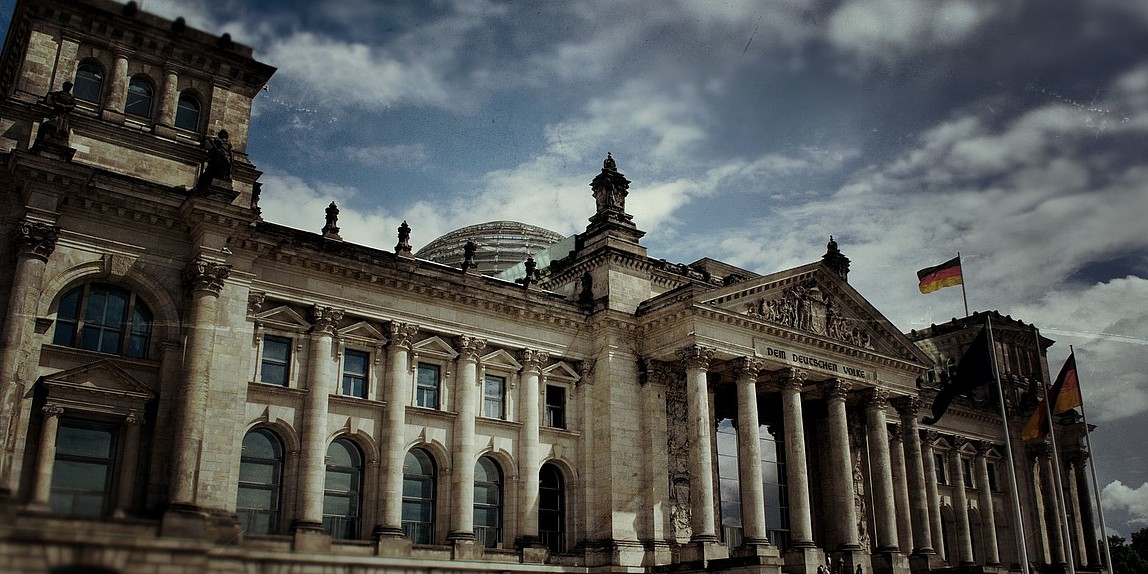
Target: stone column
<point x="397" y="395"/>
<point x="118" y="94"/>
<point x="46" y="460"/>
<point x="749" y="453"/>
<point x="1051" y="512"/>
<point x="33" y="243"/>
<point x="313" y="439"/>
<point x="168" y="97"/>
<point x="206" y="282"/>
<point x="885" y="512"/>
<point x="128" y="464"/>
<point x="697" y="362"/>
<point x="916" y="477"/>
<point x="900" y="488"/>
<point x="796" y="471"/>
<point x="839" y="464"/>
<point x="933" y="498"/>
<point x="960" y="504"/>
<point x="528" y="465"/>
<point x="463" y="457"/>
<point x="985" y="502"/>
<point x="1084" y="500"/>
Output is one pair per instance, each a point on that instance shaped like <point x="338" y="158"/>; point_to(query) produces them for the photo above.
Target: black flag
<point x="974" y="370"/>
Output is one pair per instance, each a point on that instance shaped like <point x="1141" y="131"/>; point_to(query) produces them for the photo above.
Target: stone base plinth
<point x="463" y="546"/>
<point x="890" y="562"/>
<point x="392" y="546"/>
<point x="309" y="539"/>
<point x="803" y="560"/>
<point x="703" y="551"/>
<point x="182" y="521"/>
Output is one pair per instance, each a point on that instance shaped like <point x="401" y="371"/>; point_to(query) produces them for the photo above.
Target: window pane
<point x="258" y="472"/>
<point x="187" y="112"/>
<point x="89" y="83"/>
<point x="276" y="358"/>
<point x="67" y="316"/>
<point x="89" y="442"/>
<point x="139" y="98"/>
<point x="427" y="383"/>
<point x="256" y="499"/>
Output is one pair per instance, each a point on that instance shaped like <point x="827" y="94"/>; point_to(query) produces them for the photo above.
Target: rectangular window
<point x="82" y="471"/>
<point x="555" y="407"/>
<point x="992" y="467"/>
<point x="967" y="472"/>
<point x="355" y="373"/>
<point x="426" y="386"/>
<point x="494" y="397"/>
<point x="939" y="462"/>
<point x="276" y="360"/>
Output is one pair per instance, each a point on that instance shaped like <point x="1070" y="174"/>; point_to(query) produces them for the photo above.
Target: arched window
<point x="104" y="318"/>
<point x="488" y="502"/>
<point x="187" y="112"/>
<point x="89" y="84"/>
<point x="342" y="490"/>
<point x="139" y="97"/>
<point x="552" y="508"/>
<point x="418" y="497"/>
<point x="260" y="478"/>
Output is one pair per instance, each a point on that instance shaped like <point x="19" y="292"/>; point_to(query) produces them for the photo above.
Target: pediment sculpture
<point x="806" y="307"/>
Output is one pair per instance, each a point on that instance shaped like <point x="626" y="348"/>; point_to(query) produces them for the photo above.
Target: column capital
<point x="255" y="300"/>
<point x="931" y="437"/>
<point x="1043" y="449"/>
<point x="52" y="410"/>
<point x="1078" y="457"/>
<point x="907" y="405"/>
<point x="36" y="240"/>
<point x="836" y="389"/>
<point x="325" y="319"/>
<point x="876" y="398"/>
<point x="747" y="368"/>
<point x="792" y="379"/>
<point x="401" y="335"/>
<point x="696" y="357"/>
<point x="134" y="418"/>
<point x="896" y="432"/>
<point x="532" y="360"/>
<point x="984" y="447"/>
<point x="207" y="276"/>
<point x="468" y="347"/>
<point x="958" y="441"/>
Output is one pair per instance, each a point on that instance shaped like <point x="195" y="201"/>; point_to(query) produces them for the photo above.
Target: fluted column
<point x="528" y="465"/>
<point x="840" y="465"/>
<point x="749" y="453"/>
<point x="205" y="279"/>
<point x="128" y="464"/>
<point x="1084" y="500"/>
<point x="960" y="504"/>
<point x="796" y="471"/>
<point x="33" y="243"/>
<point x="932" y="495"/>
<point x="400" y="338"/>
<point x="885" y="511"/>
<point x="697" y="362"/>
<point x="462" y="486"/>
<point x="1051" y="512"/>
<point x="900" y="488"/>
<point x="985" y="502"/>
<point x="916" y="477"/>
<point x="46" y="460"/>
<point x="313" y="442"/>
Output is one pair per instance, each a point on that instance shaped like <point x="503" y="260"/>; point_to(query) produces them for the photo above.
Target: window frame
<point x="79" y="85"/>
<point x="354" y="495"/>
<point x="549" y="408"/>
<point x="942" y="476"/>
<point x="555" y="540"/>
<point x="190" y="96"/>
<point x="426" y="534"/>
<point x="260" y="377"/>
<point x="967" y="472"/>
<point x="420" y="387"/>
<point x="365" y="375"/>
<point x="489" y="399"/>
<point x="128" y="329"/>
<point x="278" y="465"/>
<point x="146" y="82"/>
<point x="489" y="534"/>
<point x="110" y="463"/>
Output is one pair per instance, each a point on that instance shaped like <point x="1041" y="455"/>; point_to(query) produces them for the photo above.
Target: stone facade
<point x="185" y="387"/>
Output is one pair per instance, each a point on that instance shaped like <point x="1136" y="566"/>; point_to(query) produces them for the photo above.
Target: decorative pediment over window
<point x="434" y="347"/>
<point x="99" y="387"/>
<point x="362" y="331"/>
<point x="807" y="307"/>
<point x="501" y="360"/>
<point x="561" y="372"/>
<point x="282" y="317"/>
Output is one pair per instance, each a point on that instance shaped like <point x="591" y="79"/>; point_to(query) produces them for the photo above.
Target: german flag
<point x="944" y="275"/>
<point x="1063" y="396"/>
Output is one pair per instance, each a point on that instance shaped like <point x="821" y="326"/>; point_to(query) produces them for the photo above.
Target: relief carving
<point x="806" y="307"/>
<point x="678" y="447"/>
<point x="856" y="445"/>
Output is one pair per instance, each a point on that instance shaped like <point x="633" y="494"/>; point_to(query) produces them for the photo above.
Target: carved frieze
<point x="806" y="307"/>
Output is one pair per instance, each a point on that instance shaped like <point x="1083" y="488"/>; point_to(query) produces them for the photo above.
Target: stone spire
<point x="836" y="261"/>
<point x="610" y="189"/>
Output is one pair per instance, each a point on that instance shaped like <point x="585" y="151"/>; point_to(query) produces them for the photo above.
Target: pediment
<point x="815" y="302"/>
<point x="561" y="371"/>
<point x="501" y="359"/>
<point x="363" y="331"/>
<point x="103" y="376"/>
<point x="283" y="317"/>
<point x="435" y="347"/>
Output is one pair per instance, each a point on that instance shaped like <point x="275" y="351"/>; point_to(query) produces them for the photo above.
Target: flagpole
<point x="1066" y="539"/>
<point x="1018" y="517"/>
<point x="963" y="295"/>
<point x="1092" y="467"/>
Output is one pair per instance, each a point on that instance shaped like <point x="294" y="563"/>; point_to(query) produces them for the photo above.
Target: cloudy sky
<point x="1012" y="131"/>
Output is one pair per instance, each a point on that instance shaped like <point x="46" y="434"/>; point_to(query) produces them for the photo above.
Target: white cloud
<point x="291" y="201"/>
<point x="883" y="32"/>
<point x="409" y="156"/>
<point x="1117" y="496"/>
